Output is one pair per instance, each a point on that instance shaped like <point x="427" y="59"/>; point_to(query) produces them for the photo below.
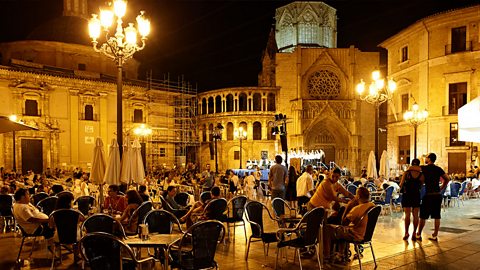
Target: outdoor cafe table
<point x="154" y="240"/>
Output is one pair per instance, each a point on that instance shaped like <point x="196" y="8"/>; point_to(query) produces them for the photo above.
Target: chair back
<point x="352" y="188"/>
<point x="103" y="251"/>
<point x="182" y="198"/>
<point x="238" y="207"/>
<point x="388" y="194"/>
<point x="455" y="189"/>
<point x="313" y="219"/>
<point x="205" y="237"/>
<point x="254" y="211"/>
<point x="215" y="209"/>
<point x="264" y="188"/>
<point x="205" y="196"/>
<point x="372" y="214"/>
<point x="278" y="206"/>
<point x="103" y="223"/>
<point x="371" y="187"/>
<point x="161" y="221"/>
<point x="84" y="204"/>
<point x="6" y="203"/>
<point x="139" y="214"/>
<point x="65" y="192"/>
<point x="423" y="191"/>
<point x="463" y="186"/>
<point x="166" y="205"/>
<point x="66" y="222"/>
<point x="47" y="205"/>
<point x="36" y="198"/>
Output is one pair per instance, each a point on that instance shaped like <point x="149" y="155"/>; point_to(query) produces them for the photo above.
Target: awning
<point x="469" y="121"/>
<point x="8" y="126"/>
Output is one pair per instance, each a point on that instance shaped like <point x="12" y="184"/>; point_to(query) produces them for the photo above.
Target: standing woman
<point x="410" y="186"/>
<point x="291" y="194"/>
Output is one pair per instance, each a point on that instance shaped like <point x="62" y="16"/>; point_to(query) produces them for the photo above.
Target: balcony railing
<point x="457" y="48"/>
<point x="93" y="117"/>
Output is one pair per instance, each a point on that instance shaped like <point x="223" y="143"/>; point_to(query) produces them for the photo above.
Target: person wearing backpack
<point x="410" y="186"/>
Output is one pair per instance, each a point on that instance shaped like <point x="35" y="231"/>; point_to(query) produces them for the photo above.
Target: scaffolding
<point x="174" y="140"/>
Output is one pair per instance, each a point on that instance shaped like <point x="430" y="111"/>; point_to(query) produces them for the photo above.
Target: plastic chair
<point x="455" y="193"/>
<point x="47" y="205"/>
<point x="36" y="198"/>
<point x="367" y="239"/>
<point x="236" y="218"/>
<point x="204" y="235"/>
<point x="85" y="203"/>
<point x="6" y="211"/>
<point x="254" y="216"/>
<point x="103" y="223"/>
<point x="352" y="188"/>
<point x="104" y="251"/>
<point x="386" y="203"/>
<point x="66" y="223"/>
<point x="182" y="198"/>
<point x="307" y="231"/>
<point x="461" y="193"/>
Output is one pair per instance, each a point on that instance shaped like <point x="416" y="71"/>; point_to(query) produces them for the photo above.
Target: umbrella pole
<point x="100" y="199"/>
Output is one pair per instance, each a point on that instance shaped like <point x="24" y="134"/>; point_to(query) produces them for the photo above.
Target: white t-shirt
<point x="304" y="184"/>
<point x="250" y="181"/>
<point x="23" y="212"/>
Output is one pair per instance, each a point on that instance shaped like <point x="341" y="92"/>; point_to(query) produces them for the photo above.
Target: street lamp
<point x="280" y="127"/>
<point x="142" y="130"/>
<point x="119" y="47"/>
<point x="378" y="93"/>
<point x="217" y="135"/>
<point x="13" y="118"/>
<point x="241" y="135"/>
<point x="415" y="118"/>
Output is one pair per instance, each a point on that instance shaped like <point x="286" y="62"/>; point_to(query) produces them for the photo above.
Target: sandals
<point x="433" y="238"/>
<point x="405" y="238"/>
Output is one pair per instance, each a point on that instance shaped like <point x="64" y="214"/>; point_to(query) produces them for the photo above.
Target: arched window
<point x="138" y="116"/>
<point x="271" y="102"/>
<point x="88" y="112"/>
<point x="257" y="102"/>
<point x="242" y="102"/>
<point x="243" y="125"/>
<point x="230" y="103"/>
<point x="210" y="132"/>
<point x="229" y="131"/>
<point x="270" y="136"/>
<point x="218" y="104"/>
<point x="210" y="105"/>
<point x="204" y="131"/>
<point x="257" y="131"/>
<point x="204" y="106"/>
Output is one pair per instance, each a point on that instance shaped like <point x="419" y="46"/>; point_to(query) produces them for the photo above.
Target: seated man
<point x="29" y="218"/>
<point x="354" y="220"/>
<point x="197" y="211"/>
<point x="326" y="192"/>
<point x="115" y="202"/>
<point x="142" y="190"/>
<point x="170" y="198"/>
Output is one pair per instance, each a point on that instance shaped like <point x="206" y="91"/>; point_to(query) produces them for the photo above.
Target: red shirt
<point x="118" y="204"/>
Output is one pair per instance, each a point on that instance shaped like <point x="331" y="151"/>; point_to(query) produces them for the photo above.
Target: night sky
<point x="217" y="44"/>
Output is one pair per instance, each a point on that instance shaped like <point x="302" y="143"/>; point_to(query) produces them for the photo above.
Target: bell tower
<point x="75" y="8"/>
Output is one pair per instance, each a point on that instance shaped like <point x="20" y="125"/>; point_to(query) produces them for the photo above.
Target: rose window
<point x="324" y="84"/>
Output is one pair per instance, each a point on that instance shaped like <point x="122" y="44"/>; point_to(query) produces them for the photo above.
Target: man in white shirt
<point x="29" y="217"/>
<point x="305" y="186"/>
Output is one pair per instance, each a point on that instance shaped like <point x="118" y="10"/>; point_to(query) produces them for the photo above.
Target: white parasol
<point x="98" y="166"/>
<point x="127" y="164"/>
<point x="112" y="175"/>
<point x="138" y="173"/>
<point x="371" y="166"/>
<point x="384" y="168"/>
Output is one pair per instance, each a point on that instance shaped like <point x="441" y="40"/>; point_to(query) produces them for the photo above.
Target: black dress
<point x="411" y="190"/>
<point x="291" y="194"/>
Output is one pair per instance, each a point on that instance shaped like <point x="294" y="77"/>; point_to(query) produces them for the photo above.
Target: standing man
<point x="207" y="179"/>
<point x="432" y="201"/>
<point x="305" y="187"/>
<point x="278" y="178"/>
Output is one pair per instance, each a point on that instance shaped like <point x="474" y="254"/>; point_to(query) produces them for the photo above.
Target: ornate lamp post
<point x="378" y="93"/>
<point x="13" y="118"/>
<point x="120" y="47"/>
<point x="241" y="135"/>
<point x="280" y="127"/>
<point x="217" y="135"/>
<point x="142" y="130"/>
<point x="415" y="118"/>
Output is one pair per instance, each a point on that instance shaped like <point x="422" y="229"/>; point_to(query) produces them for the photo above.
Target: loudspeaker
<point x="283" y="141"/>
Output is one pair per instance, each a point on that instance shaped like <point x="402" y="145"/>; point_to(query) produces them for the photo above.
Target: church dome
<point x="66" y="29"/>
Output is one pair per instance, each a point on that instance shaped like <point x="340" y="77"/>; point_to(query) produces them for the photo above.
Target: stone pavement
<point x="458" y="247"/>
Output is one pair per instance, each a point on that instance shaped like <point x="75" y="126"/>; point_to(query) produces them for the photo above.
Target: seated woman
<point x="114" y="202"/>
<point x="133" y="202"/>
<point x="196" y="212"/>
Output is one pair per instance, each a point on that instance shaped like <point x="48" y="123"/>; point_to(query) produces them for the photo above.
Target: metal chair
<point x="203" y="237"/>
<point x="265" y="190"/>
<point x="36" y="198"/>
<point x="24" y="236"/>
<point x="205" y="196"/>
<point x="386" y="203"/>
<point x="278" y="206"/>
<point x="161" y="221"/>
<point x="177" y="212"/>
<point x="47" y="205"/>
<point x="182" y="198"/>
<point x="138" y="216"/>
<point x="352" y="188"/>
<point x="6" y="211"/>
<point x="66" y="222"/>
<point x="103" y="223"/>
<point x="372" y="215"/>
<point x="307" y="231"/>
<point x="254" y="216"/>
<point x="103" y="251"/>
<point x="85" y="203"/>
<point x="455" y="193"/>
<point x="215" y="209"/>
<point x="236" y="218"/>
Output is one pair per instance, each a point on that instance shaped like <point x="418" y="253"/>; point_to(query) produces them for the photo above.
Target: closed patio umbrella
<point x="112" y="175"/>
<point x="98" y="167"/>
<point x="138" y="173"/>
<point x="371" y="166"/>
<point x="384" y="168"/>
<point x="126" y="175"/>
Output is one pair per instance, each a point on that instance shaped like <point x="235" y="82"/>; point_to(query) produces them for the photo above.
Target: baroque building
<point x="435" y="62"/>
<point x="57" y="83"/>
<point x="305" y="77"/>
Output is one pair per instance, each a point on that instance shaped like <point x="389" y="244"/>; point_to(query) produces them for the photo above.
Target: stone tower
<point x="310" y="24"/>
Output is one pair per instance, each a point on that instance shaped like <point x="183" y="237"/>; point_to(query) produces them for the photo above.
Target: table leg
<point x="166" y="257"/>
